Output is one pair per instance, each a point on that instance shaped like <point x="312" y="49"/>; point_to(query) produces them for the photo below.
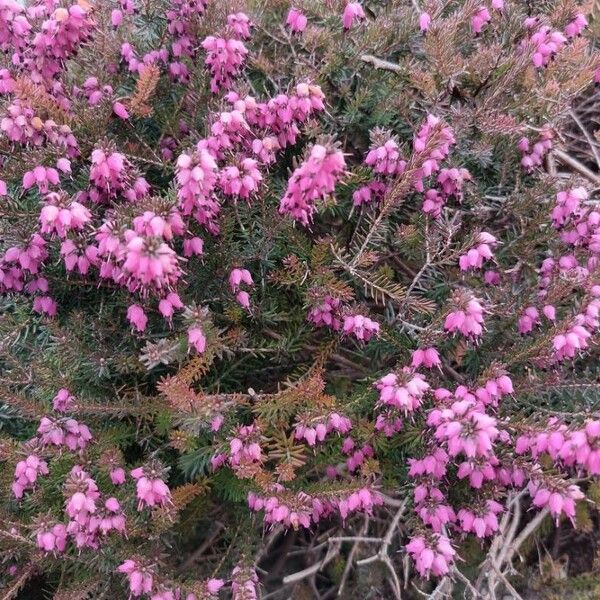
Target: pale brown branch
<point x="379" y="63"/>
<point x="592" y="144"/>
<point x="567" y="159"/>
<point x="332" y="552"/>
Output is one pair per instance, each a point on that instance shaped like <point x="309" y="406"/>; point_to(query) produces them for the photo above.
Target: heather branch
<point x="332" y="551"/>
<point x="592" y="144"/>
<point x="379" y="63"/>
<point x="382" y="554"/>
<point x="577" y="166"/>
<point x="398" y="191"/>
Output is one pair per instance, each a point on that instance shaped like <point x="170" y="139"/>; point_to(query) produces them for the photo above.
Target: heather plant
<point x="299" y="300"/>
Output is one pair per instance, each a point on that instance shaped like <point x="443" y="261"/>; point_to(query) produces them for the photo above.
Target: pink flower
<point x="432" y="555"/>
<point x="389" y="423"/>
<point x="534" y="155"/>
<point x="59" y="217"/>
<point x="465" y="428"/>
<point x="570" y="343"/>
<point x="477" y="255"/>
<point x="431" y="507"/>
<point x="312" y="181"/>
<point x="491" y="277"/>
<point x="214" y="585"/>
<point x="109" y="174"/>
<point x="576" y="26"/>
<point x="239" y="276"/>
<point x="483" y="520"/>
<point x="494" y="389"/>
<point x="196" y="339"/>
<point x="52" y="539"/>
<point x="353" y="11"/>
<point x="116" y="17"/>
<point x="81" y="507"/>
<point x="241" y="180"/>
<point x="245" y="448"/>
<point x="547" y="43"/>
<point x="568" y="204"/>
<point x="424" y="21"/>
<point x="63" y="401"/>
<point x="326" y="314"/>
<point x="430" y="154"/>
<point x="67" y="432"/>
<point x="137" y="317"/>
<point x="225" y="59"/>
<point x="140" y="577"/>
<point x="358" y="457"/>
<point x="117" y="476"/>
<point x="428" y="357"/>
<point x="193" y="247"/>
<point x="243" y="299"/>
<point x="361" y="327"/>
<point x="120" y="110"/>
<point x="26" y="474"/>
<point x="196" y="180"/>
<point x="244" y="583"/>
<point x="151" y="489"/>
<point x="42" y="177"/>
<point x="385" y="159"/>
<point x="468" y="320"/>
<point x="239" y="24"/>
<point x="403" y="391"/>
<point x="528" y="320"/>
<point x="296" y="21"/>
<point x="433" y="464"/>
<point x="480" y="19"/>
<point x="557" y="500"/>
<point x="369" y="193"/>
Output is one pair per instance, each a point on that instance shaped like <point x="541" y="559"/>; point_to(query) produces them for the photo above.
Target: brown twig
<point x="577" y="166"/>
<point x="379" y="63"/>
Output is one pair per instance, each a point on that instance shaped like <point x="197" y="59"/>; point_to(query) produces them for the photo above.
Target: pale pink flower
<point x="137" y="317"/>
<point x="63" y="401"/>
<point x="196" y="339"/>
<point x="427" y="357"/>
<point x="239" y="24"/>
<point x="468" y="319"/>
<point x="151" y="489"/>
<point x="353" y="12"/>
<point x="361" y="327"/>
<point x="120" y="110"/>
<point x="480" y="19"/>
<point x="431" y="555"/>
<point x="117" y="476"/>
<point x="26" y="474"/>
<point x="52" y="539"/>
<point x="312" y="181"/>
<point x="140" y="577"/>
<point x="296" y="20"/>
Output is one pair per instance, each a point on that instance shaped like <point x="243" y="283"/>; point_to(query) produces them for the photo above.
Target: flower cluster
<point x="300" y="509"/>
<point x="467" y="318"/>
<point x="432" y="555"/>
<point x="311" y="182"/>
<point x="225" y="58"/>
<point x="313" y="432"/>
<point x="150" y="486"/>
<point x="477" y="255"/>
<point x="533" y="154"/>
